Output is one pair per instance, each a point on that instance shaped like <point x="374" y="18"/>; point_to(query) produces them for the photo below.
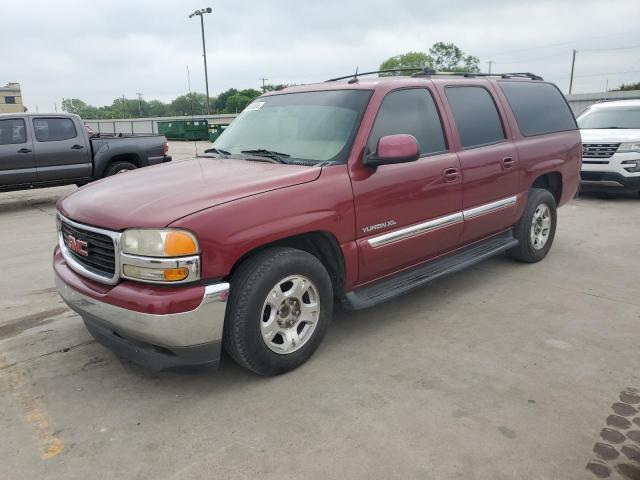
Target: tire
<point x="119" y="167"/>
<point x="533" y="244"/>
<point x="262" y="332"/>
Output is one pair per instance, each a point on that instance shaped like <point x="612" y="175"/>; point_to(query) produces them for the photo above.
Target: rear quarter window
<point x="539" y="107"/>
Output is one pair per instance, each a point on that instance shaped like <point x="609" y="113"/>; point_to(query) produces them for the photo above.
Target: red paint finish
<point x="235" y="207"/>
<point x="397" y="146"/>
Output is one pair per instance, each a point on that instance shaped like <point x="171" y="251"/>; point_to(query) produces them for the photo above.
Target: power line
<point x="561" y="43"/>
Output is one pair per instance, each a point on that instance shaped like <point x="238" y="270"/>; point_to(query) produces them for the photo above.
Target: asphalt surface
<point x="503" y="371"/>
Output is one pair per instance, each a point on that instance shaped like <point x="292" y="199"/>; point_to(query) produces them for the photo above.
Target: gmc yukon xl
<point x="46" y="150"/>
<point x="354" y="191"/>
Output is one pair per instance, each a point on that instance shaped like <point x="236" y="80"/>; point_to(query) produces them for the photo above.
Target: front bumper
<point x="153" y="340"/>
<point x="608" y="181"/>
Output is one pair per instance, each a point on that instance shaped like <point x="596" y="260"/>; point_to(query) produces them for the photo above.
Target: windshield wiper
<point x="217" y="150"/>
<point x="261" y="152"/>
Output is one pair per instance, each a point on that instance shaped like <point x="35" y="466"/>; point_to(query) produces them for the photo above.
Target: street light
<point x="200" y="13"/>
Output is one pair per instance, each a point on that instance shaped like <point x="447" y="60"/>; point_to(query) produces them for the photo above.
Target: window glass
<point x="476" y="116"/>
<point x="12" y="131"/>
<point x="10" y="100"/>
<point x="307" y="126"/>
<point x="539" y="108"/>
<point x="606" y="117"/>
<point x="413" y="112"/>
<point x="53" y="129"/>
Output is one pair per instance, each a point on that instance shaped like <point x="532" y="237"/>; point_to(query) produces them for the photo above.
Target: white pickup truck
<point x="611" y="146"/>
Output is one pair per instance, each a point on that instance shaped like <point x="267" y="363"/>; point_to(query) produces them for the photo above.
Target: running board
<point x="415" y="277"/>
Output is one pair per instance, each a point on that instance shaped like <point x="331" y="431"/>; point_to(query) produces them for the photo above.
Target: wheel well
<point x="322" y="245"/>
<point x="550" y="181"/>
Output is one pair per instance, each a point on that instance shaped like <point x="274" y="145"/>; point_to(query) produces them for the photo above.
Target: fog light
<point x="176" y="274"/>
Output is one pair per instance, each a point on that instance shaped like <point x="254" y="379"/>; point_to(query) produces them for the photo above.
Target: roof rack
<point x="428" y="72"/>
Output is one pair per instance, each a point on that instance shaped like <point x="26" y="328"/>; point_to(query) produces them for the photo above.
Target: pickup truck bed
<point x="43" y="150"/>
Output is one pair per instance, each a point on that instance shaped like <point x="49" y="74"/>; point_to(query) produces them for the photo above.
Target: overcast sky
<point x="97" y="51"/>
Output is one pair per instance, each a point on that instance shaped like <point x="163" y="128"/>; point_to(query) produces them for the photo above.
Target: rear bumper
<point x="153" y="340"/>
<point x="609" y="181"/>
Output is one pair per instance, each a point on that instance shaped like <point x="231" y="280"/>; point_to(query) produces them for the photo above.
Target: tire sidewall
<point x="296" y="263"/>
<point x="116" y="167"/>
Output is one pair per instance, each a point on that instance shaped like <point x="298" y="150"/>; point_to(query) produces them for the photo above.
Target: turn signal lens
<point x="178" y="244"/>
<point x="176" y="274"/>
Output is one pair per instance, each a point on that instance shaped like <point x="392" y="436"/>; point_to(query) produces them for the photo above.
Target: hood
<point x="157" y="196"/>
<point x="613" y="135"/>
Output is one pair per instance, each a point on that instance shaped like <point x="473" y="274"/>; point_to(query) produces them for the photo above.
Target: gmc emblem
<point x="77" y="246"/>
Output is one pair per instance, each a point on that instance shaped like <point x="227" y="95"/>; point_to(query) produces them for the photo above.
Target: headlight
<point x="160" y="255"/>
<point x="629" y="147"/>
<point x="159" y="243"/>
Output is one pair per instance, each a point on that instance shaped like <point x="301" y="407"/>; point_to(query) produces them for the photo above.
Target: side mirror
<point x="392" y="149"/>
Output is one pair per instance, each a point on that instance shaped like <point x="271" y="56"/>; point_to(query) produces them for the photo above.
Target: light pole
<point x="200" y="13"/>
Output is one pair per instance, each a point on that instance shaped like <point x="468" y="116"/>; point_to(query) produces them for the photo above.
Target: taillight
<point x="165" y="149"/>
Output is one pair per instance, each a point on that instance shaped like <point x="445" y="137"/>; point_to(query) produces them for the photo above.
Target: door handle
<point x="24" y="150"/>
<point x="450" y="174"/>
<point x="77" y="147"/>
<point x="508" y="162"/>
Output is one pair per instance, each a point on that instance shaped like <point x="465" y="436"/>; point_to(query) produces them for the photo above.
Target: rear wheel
<point x="119" y="167"/>
<point x="280" y="305"/>
<point x="536" y="228"/>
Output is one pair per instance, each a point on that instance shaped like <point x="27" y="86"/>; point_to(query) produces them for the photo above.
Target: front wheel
<point x="536" y="228"/>
<point x="280" y="305"/>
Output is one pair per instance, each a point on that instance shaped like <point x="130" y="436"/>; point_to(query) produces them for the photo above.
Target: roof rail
<point x="428" y="72"/>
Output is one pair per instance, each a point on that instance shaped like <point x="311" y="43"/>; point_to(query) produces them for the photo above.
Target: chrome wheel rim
<point x="540" y="226"/>
<point x="290" y="314"/>
<point x="124" y="170"/>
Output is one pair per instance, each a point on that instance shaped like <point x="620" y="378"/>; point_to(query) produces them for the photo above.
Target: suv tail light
<point x="165" y="148"/>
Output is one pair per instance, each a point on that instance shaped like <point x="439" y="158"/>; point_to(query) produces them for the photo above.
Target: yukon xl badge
<point x="378" y="226"/>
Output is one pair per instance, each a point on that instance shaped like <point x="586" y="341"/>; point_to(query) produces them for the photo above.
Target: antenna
<point x="195" y="143"/>
<point x="355" y="77"/>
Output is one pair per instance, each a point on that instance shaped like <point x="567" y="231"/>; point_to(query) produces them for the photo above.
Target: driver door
<point x="409" y="212"/>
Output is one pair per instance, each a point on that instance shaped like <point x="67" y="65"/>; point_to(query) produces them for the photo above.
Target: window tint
<point x="476" y="116"/>
<point x="12" y="131"/>
<point x="539" y="108"/>
<point x="413" y="112"/>
<point x="52" y="129"/>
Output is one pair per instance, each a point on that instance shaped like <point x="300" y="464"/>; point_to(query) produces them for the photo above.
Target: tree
<point x="189" y="104"/>
<point x="417" y="60"/>
<point x="447" y="57"/>
<point x="442" y="57"/>
<point x="625" y="87"/>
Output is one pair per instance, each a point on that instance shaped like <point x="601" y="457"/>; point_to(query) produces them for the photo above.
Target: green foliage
<point x="230" y="101"/>
<point x="417" y="60"/>
<point x="627" y="86"/>
<point x="442" y="57"/>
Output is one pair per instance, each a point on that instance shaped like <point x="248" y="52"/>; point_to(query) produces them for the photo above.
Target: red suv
<point x="356" y="191"/>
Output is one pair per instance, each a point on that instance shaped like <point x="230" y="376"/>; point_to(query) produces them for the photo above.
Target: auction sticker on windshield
<point x="254" y="106"/>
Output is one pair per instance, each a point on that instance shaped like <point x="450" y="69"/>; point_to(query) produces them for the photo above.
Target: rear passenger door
<point x="17" y="165"/>
<point x="61" y="149"/>
<point x="488" y="158"/>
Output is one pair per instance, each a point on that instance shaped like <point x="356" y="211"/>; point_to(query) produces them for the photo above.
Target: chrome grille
<point x="97" y="257"/>
<point x="599" y="150"/>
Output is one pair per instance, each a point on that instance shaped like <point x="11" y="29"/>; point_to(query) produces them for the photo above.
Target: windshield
<point x="307" y="127"/>
<point x="610" y="117"/>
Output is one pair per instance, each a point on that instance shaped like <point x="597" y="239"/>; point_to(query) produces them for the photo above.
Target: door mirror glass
<point x="400" y="148"/>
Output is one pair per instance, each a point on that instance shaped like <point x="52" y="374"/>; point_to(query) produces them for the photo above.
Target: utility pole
<point x="573" y="64"/>
<point x="139" y="104"/>
<point x="201" y="13"/>
<point x="124" y="112"/>
<point x="490" y="62"/>
<point x="264" y="88"/>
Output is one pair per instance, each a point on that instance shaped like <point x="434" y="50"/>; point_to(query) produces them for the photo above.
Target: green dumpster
<point x="184" y="129"/>
<point x="215" y="131"/>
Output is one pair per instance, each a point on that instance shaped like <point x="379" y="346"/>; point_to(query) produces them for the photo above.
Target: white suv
<point x="611" y="146"/>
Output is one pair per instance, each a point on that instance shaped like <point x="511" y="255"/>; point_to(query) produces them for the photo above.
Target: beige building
<point x="11" y="98"/>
